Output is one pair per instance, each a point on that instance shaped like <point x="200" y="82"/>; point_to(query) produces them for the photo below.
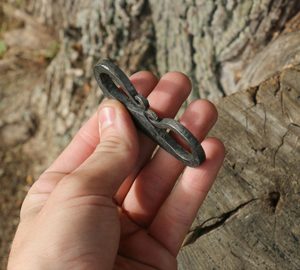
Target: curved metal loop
<point x="194" y="155"/>
<point x="108" y="75"/>
<point x="142" y="101"/>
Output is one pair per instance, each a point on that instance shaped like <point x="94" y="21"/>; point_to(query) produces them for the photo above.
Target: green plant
<point x="3" y="48"/>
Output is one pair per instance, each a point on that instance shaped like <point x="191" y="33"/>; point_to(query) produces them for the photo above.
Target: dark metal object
<point x="112" y="81"/>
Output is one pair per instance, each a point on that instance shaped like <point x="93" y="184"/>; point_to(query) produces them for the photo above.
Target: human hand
<point x="109" y="205"/>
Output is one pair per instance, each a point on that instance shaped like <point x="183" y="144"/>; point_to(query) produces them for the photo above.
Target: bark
<point x="214" y="41"/>
<point x="47" y="91"/>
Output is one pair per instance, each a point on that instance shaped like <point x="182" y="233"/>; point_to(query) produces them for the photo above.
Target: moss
<point x="3" y="48"/>
<point x="52" y="50"/>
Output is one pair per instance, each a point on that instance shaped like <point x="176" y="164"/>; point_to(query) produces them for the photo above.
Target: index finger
<point x="79" y="149"/>
<point x="87" y="138"/>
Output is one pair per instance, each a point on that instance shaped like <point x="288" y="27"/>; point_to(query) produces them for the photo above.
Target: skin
<point x="104" y="203"/>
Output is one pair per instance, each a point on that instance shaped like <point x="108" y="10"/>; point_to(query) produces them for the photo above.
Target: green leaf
<point x="3" y="48"/>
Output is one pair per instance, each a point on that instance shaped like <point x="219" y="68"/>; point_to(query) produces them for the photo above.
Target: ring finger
<point x="156" y="180"/>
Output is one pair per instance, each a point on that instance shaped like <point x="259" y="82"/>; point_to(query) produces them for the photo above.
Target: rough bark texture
<point x="213" y="41"/>
<point x="47" y="90"/>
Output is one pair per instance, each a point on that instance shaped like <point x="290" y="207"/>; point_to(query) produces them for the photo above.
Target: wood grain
<point x="251" y="217"/>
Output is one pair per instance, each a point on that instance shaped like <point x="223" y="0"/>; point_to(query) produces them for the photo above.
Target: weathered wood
<point x="251" y="218"/>
<point x="283" y="52"/>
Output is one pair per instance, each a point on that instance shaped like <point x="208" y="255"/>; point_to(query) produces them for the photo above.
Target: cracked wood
<point x="251" y="218"/>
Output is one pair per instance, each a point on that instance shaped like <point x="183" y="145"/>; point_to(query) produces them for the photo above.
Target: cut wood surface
<point x="251" y="218"/>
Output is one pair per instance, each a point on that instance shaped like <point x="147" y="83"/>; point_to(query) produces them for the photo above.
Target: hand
<point x="109" y="205"/>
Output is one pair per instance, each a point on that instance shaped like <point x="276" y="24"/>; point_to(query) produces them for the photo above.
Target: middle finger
<point x="156" y="180"/>
<point x="165" y="99"/>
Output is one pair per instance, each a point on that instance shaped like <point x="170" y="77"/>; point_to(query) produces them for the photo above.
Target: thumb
<point x="113" y="159"/>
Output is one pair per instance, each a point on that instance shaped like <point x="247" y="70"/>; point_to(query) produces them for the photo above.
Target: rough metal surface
<point x="109" y="76"/>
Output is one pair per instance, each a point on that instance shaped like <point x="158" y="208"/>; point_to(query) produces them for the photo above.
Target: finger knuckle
<point x="114" y="144"/>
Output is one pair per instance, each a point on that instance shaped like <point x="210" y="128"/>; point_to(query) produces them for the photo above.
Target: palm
<point x="154" y="213"/>
<point x="157" y="215"/>
<point x="134" y="246"/>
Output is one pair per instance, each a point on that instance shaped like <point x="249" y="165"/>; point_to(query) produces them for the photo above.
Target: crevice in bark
<point x="219" y="222"/>
<point x="274" y="198"/>
<point x="148" y="60"/>
<point x="193" y="67"/>
<point x="253" y="93"/>
<point x="295" y="125"/>
<point x="218" y="70"/>
<point x="212" y="15"/>
<point x="280" y="145"/>
<point x="289" y="17"/>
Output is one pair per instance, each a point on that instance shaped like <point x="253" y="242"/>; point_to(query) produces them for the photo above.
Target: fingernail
<point x="107" y="117"/>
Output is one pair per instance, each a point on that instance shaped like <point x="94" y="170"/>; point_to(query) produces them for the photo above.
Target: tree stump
<point x="251" y="218"/>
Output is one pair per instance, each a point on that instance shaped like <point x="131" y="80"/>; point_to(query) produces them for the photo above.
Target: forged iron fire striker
<point x="115" y="84"/>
